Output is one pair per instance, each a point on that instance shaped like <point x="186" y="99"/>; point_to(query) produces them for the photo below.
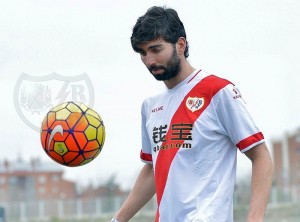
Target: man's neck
<point x="186" y="70"/>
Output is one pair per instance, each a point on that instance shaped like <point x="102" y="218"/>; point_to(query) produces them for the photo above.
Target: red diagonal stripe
<point x="206" y="89"/>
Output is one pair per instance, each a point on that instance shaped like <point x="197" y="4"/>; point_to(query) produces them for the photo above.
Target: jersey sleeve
<point x="145" y="153"/>
<point x="235" y="119"/>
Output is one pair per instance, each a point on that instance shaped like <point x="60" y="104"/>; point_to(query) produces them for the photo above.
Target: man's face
<point x="161" y="59"/>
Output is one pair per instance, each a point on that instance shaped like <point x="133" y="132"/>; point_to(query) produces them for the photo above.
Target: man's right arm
<point x="142" y="191"/>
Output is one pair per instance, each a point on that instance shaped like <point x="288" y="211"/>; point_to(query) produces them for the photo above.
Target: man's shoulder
<point x="154" y="98"/>
<point x="159" y="93"/>
<point x="211" y="82"/>
<point x="214" y="77"/>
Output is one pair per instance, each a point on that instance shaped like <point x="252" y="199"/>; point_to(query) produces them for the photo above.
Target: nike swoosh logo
<point x="56" y="129"/>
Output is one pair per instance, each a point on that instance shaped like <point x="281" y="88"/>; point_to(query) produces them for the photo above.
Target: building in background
<point x="35" y="190"/>
<point x="33" y="181"/>
<point x="286" y="155"/>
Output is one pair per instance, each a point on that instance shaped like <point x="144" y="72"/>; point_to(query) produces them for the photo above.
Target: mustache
<point x="154" y="68"/>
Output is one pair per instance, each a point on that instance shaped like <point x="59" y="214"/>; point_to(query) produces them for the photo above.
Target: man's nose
<point x="149" y="60"/>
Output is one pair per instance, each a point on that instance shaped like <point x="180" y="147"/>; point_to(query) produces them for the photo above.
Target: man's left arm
<point x="261" y="183"/>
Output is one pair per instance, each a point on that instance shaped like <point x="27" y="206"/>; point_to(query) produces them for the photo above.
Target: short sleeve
<point x="235" y="119"/>
<point x="145" y="153"/>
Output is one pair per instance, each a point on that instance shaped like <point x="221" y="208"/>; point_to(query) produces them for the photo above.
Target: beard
<point x="171" y="70"/>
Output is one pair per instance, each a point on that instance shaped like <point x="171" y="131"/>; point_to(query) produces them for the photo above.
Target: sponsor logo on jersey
<point x="236" y="93"/>
<point x="178" y="132"/>
<point x="194" y="103"/>
<point x="160" y="108"/>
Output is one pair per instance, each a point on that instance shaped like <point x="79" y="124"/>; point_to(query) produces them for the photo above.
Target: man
<point x="190" y="134"/>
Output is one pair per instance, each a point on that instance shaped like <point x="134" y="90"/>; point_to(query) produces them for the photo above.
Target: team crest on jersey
<point x="194" y="103"/>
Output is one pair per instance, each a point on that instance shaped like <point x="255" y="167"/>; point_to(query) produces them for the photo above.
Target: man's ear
<point x="181" y="45"/>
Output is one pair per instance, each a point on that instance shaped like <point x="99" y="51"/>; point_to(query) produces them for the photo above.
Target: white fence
<point x="281" y="210"/>
<point x="77" y="209"/>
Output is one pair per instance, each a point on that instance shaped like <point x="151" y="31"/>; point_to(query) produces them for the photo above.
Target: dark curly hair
<point x="158" y="22"/>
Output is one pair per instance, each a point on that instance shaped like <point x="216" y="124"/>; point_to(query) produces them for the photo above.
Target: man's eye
<point x="156" y="50"/>
<point x="142" y="53"/>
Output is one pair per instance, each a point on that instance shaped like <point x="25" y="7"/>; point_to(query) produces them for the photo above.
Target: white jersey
<point x="191" y="134"/>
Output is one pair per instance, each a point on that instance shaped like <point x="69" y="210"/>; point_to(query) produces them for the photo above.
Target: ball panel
<point x="73" y="119"/>
<point x="91" y="154"/>
<point x="44" y="124"/>
<point x="82" y="124"/>
<point x="58" y="107"/>
<point x="86" y="161"/>
<point x="50" y="118"/>
<point x="101" y="134"/>
<point x="56" y="138"/>
<point x="61" y="123"/>
<point x="70" y="156"/>
<point x="73" y="108"/>
<point x="90" y="132"/>
<point x="60" y="148"/>
<point x="82" y="107"/>
<point x="60" y="138"/>
<point x="71" y="143"/>
<point x="77" y="161"/>
<point x="92" y="145"/>
<point x="62" y="114"/>
<point x="93" y="120"/>
<point x="81" y="139"/>
<point x="56" y="157"/>
<point x="44" y="139"/>
<point x="98" y="151"/>
<point x="93" y="113"/>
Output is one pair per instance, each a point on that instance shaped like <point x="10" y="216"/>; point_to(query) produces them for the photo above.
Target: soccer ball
<point x="72" y="134"/>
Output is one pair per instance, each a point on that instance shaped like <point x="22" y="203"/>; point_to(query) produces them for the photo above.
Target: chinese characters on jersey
<point x="178" y="134"/>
